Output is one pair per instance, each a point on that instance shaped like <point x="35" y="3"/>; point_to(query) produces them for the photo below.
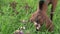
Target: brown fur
<point x="40" y="15"/>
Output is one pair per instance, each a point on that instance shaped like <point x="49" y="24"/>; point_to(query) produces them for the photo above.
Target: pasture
<point x="13" y="18"/>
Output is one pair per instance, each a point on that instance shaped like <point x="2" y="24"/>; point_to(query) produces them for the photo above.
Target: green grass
<point x="10" y="21"/>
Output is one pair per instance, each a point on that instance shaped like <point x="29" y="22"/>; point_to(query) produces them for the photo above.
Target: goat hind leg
<point x="54" y="3"/>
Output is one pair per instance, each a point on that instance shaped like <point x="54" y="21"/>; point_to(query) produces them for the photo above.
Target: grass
<point x="11" y="20"/>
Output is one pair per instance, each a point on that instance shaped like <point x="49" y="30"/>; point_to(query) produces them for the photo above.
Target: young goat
<point x="40" y="15"/>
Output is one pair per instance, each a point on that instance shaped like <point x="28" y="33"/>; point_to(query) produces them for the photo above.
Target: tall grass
<point x="11" y="20"/>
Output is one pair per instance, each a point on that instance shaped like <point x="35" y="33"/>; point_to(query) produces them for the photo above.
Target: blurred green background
<point x="14" y="12"/>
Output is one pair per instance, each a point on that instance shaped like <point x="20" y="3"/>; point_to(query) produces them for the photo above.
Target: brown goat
<point x="40" y="15"/>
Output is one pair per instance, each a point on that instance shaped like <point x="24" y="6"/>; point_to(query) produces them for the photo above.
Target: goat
<point x="40" y="15"/>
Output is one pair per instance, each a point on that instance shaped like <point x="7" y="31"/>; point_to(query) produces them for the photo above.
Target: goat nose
<point x="35" y="23"/>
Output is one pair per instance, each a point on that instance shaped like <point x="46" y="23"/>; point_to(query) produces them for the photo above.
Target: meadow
<point x="15" y="13"/>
